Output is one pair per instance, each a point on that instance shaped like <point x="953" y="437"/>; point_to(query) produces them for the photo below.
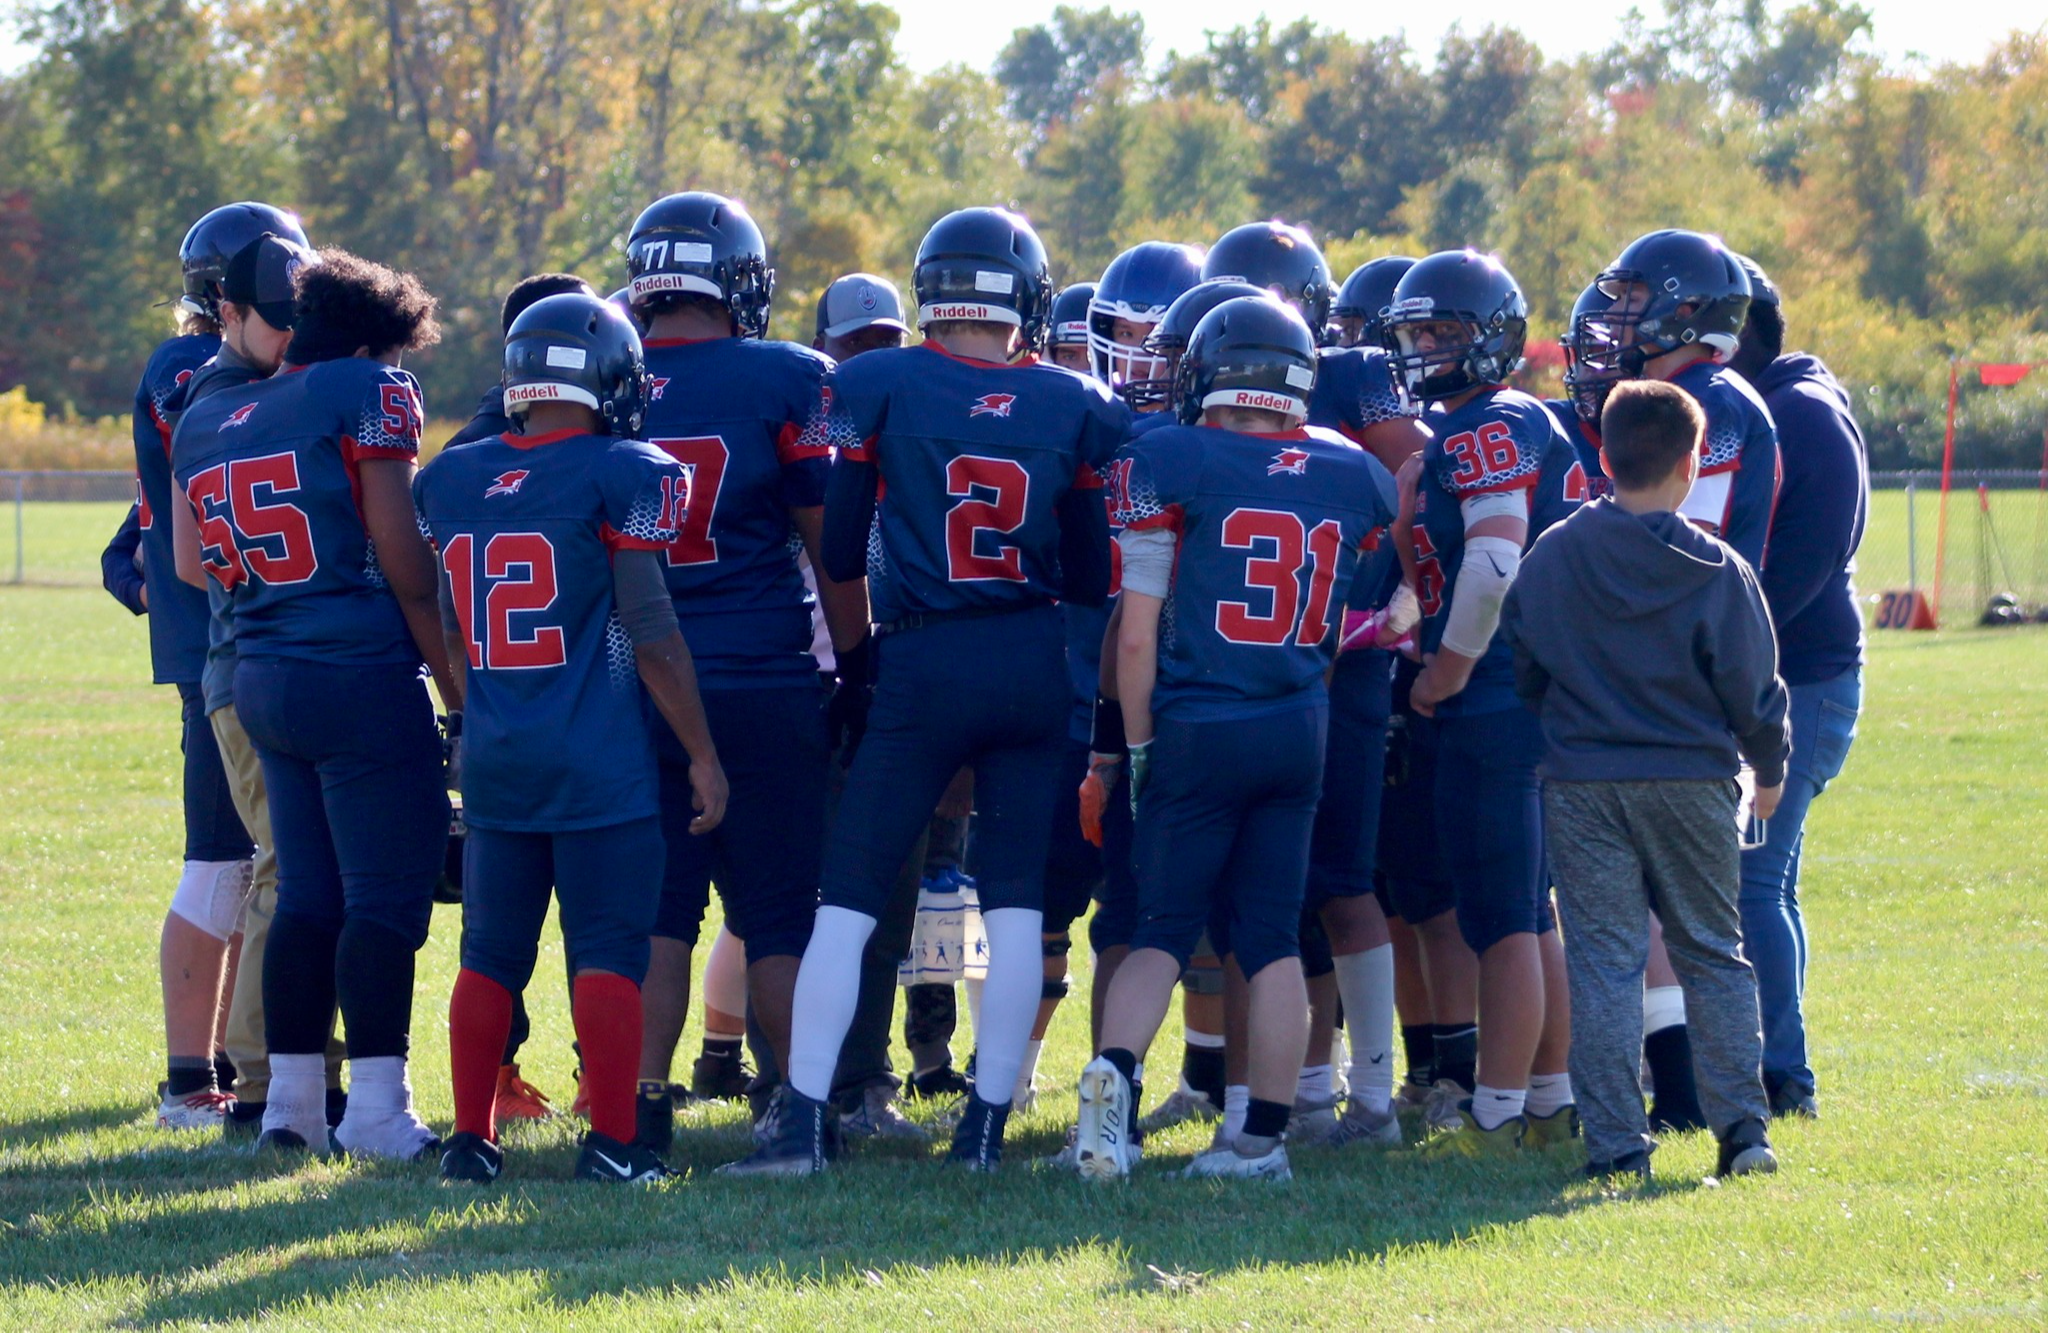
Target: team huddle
<point x="1253" y="610"/>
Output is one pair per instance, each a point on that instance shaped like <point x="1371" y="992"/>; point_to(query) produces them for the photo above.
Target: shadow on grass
<point x="890" y="1209"/>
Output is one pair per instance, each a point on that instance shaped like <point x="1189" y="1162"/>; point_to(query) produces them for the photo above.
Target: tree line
<point x="1902" y="209"/>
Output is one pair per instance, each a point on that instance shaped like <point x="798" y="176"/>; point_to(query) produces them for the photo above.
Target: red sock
<point x="607" y="1011"/>
<point x="479" y="1022"/>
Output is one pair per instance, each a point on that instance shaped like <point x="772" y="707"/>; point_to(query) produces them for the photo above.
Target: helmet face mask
<point x="577" y="349"/>
<point x="1592" y="348"/>
<point x="1457" y="321"/>
<point x="706" y="245"/>
<point x="1169" y="337"/>
<point x="1363" y="299"/>
<point x="1126" y="306"/>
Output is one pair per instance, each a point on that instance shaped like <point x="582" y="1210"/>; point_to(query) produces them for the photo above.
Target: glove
<point x="451" y="750"/>
<point x="1104" y="772"/>
<point x="846" y="716"/>
<point x="1141" y="768"/>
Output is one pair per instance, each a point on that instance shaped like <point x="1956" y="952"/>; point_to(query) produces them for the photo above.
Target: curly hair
<point x="345" y="302"/>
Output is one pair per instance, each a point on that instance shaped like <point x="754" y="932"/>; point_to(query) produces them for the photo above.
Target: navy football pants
<point x="608" y="880"/>
<point x="1073" y="868"/>
<point x="1409" y="863"/>
<point x="987" y="692"/>
<point x="1489" y="821"/>
<point x="213" y="831"/>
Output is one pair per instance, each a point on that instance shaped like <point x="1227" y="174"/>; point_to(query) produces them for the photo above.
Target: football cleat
<point x="244" y="1120"/>
<point x="978" y="1139"/>
<point x="285" y="1142"/>
<point x="1313" y="1123"/>
<point x="1184" y="1105"/>
<point x="1104" y="1146"/>
<point x="876" y="1117"/>
<point x="1745" y="1150"/>
<point x="1440" y="1110"/>
<point x="1786" y="1099"/>
<point x="1467" y="1139"/>
<point x="1556" y="1130"/>
<point x="1229" y="1163"/>
<point x="517" y="1099"/>
<point x="1632" y="1169"/>
<point x="605" y="1158"/>
<point x="471" y="1157"/>
<point x="936" y="1084"/>
<point x="719" y="1078"/>
<point x="194" y="1110"/>
<point x="803" y="1139"/>
<point x="654" y="1116"/>
<point x="1361" y="1125"/>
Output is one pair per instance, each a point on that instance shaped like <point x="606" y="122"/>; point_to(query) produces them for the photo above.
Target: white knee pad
<point x="212" y="895"/>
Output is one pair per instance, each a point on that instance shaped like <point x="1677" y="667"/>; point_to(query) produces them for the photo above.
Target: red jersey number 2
<point x="991" y="496"/>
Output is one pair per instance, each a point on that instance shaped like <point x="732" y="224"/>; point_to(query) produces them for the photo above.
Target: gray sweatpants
<point x="1618" y="851"/>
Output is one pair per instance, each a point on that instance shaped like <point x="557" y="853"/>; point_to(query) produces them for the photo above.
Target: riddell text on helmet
<point x="1272" y="402"/>
<point x="960" y="312"/>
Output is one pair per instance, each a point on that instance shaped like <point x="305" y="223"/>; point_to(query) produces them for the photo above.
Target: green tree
<point x="1048" y="69"/>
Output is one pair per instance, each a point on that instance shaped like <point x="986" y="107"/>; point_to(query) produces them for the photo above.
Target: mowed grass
<point x="1922" y="1197"/>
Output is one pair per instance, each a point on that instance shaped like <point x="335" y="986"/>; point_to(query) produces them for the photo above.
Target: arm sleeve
<point x="450" y="621"/>
<point x="1148" y="559"/>
<point x="118" y="573"/>
<point x="1085" y="566"/>
<point x="1485" y="573"/>
<point x="640" y="591"/>
<point x="850" y="497"/>
<point x="1744" y="670"/>
<point x="1813" y="530"/>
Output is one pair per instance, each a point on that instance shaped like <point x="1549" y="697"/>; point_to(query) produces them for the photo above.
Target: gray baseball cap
<point x="859" y="301"/>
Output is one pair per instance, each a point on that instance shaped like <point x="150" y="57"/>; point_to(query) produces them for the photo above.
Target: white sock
<point x="1208" y="1041"/>
<point x="827" y="989"/>
<point x="1365" y="980"/>
<point x="381" y="1121"/>
<point x="1549" y="1093"/>
<point x="975" y="986"/>
<point x="1492" y="1107"/>
<point x="1027" y="1072"/>
<point x="1237" y="1099"/>
<point x="1314" y="1084"/>
<point x="1663" y="1007"/>
<point x="297" y="1099"/>
<point x="1009" y="997"/>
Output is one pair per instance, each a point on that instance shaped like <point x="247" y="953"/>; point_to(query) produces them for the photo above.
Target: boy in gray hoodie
<point x="1646" y="648"/>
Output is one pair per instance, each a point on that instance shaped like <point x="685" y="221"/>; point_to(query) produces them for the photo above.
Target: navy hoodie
<point x="1643" y="644"/>
<point x="1823" y="500"/>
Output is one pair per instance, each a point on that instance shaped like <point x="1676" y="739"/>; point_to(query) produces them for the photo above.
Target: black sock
<point x="1266" y="1120"/>
<point x="1676" y="1101"/>
<point x="1457" y="1053"/>
<point x="1126" y="1063"/>
<point x="1418" y="1044"/>
<point x="298" y="985"/>
<point x="224" y="1073"/>
<point x="373" y="969"/>
<point x="189" y="1074"/>
<point x="1201" y="1067"/>
<point x="724" y="1049"/>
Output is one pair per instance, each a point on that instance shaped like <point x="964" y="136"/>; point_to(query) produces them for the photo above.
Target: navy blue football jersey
<point x="556" y="730"/>
<point x="1501" y="441"/>
<point x="1268" y="531"/>
<point x="1354" y="390"/>
<point x="270" y="469"/>
<point x="973" y="457"/>
<point x="177" y="611"/>
<point x="1743" y="441"/>
<point x="1585" y="443"/>
<point x="737" y="414"/>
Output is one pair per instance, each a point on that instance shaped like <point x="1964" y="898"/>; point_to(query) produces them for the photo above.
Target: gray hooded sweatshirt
<point x="1645" y="646"/>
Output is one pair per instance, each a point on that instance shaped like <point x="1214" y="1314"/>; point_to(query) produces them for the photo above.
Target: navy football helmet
<point x="1069" y="318"/>
<point x="1367" y="292"/>
<point x="574" y="348"/>
<point x="1250" y="351"/>
<point x="1137" y="287"/>
<point x="1762" y="291"/>
<point x="217" y="238"/>
<point x="701" y="244"/>
<point x="1671" y="289"/>
<point x="984" y="264"/>
<point x="1461" y="288"/>
<point x="1281" y="258"/>
<point x="1592" y="355"/>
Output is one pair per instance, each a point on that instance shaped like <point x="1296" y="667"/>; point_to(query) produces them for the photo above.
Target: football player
<point x="1497" y="473"/>
<point x="1355" y="314"/>
<point x="965" y="491"/>
<point x="213" y="886"/>
<point x="1066" y="339"/>
<point x="736" y="411"/>
<point x="556" y="609"/>
<point x="301" y="484"/>
<point x="1241" y="534"/>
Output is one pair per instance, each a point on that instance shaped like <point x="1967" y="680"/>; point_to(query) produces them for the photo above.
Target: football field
<point x="1920" y="1198"/>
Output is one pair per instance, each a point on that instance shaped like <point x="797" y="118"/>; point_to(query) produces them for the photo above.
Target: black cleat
<point x="1790" y="1099"/>
<point x="244" y="1121"/>
<point x="978" y="1138"/>
<point x="1745" y="1150"/>
<point x="716" y="1078"/>
<point x="471" y="1157"/>
<point x="1620" y="1171"/>
<point x="802" y="1139"/>
<point x="936" y="1084"/>
<point x="654" y="1117"/>
<point x="283" y="1141"/>
<point x="607" y="1159"/>
<point x="337" y="1106"/>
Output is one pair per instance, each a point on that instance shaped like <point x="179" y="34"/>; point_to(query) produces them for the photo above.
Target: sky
<point x="940" y="32"/>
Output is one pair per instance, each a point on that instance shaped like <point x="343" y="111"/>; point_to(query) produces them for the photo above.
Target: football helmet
<point x="1137" y="287"/>
<point x="1279" y="257"/>
<point x="1170" y="335"/>
<point x="1455" y="287"/>
<point x="1762" y="291"/>
<point x="577" y="349"/>
<point x="217" y="238"/>
<point x="1365" y="294"/>
<point x="1592" y="355"/>
<point x="984" y="264"/>
<point x="1673" y="288"/>
<point x="1249" y="351"/>
<point x="701" y="244"/>
<point x="1069" y="317"/>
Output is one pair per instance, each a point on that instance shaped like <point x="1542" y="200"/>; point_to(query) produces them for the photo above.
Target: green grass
<point x="1922" y="1197"/>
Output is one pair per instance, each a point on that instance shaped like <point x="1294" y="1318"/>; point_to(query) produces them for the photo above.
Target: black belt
<point x="924" y="619"/>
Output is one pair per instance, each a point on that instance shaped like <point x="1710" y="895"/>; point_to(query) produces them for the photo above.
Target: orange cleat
<point x="517" y="1099"/>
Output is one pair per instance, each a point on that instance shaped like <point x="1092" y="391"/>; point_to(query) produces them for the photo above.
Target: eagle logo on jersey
<point x="240" y="416"/>
<point x="655" y="385"/>
<point x="992" y="405"/>
<point x="1292" y="462"/>
<point x="508" y="483"/>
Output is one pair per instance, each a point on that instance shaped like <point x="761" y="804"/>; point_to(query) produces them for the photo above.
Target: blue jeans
<point x="1773" y="932"/>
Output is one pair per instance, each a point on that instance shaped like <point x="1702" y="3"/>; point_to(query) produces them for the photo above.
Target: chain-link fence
<point x="61" y="523"/>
